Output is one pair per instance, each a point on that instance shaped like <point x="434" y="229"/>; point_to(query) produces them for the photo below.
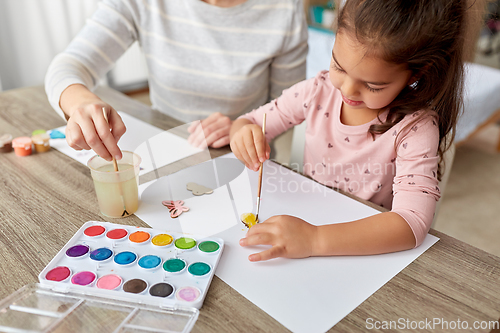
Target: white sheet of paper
<point x="164" y="147"/>
<point x="305" y="295"/>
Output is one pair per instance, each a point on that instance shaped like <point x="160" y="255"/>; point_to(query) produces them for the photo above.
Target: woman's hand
<point x="87" y="128"/>
<point x="214" y="130"/>
<point x="249" y="145"/>
<point x="289" y="237"/>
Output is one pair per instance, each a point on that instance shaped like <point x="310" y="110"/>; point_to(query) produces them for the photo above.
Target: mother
<point x="211" y="60"/>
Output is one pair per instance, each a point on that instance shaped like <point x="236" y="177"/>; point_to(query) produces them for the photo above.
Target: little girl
<point x="376" y="126"/>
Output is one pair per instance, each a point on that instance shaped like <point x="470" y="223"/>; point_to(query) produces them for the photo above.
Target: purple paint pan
<point x="78" y="251"/>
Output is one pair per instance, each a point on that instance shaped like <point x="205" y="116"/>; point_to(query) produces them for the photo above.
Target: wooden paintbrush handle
<point x="260" y="181"/>
<point x="261" y="164"/>
<point x="115" y="165"/>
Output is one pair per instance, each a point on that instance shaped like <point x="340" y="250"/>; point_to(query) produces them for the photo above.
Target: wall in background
<point x="32" y="32"/>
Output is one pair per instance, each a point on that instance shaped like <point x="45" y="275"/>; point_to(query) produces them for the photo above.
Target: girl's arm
<point x="246" y="139"/>
<point x="381" y="233"/>
<point x="416" y="192"/>
<point x="291" y="237"/>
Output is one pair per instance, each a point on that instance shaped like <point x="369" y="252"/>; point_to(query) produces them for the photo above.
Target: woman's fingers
<point x="220" y="135"/>
<point x="117" y="126"/>
<point x="74" y="137"/>
<point x="222" y="141"/>
<point x="103" y="130"/>
<point x="193" y="126"/>
<point x="90" y="133"/>
<point x="210" y="130"/>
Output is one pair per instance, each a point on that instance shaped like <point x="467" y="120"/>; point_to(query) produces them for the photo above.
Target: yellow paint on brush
<point x="248" y="220"/>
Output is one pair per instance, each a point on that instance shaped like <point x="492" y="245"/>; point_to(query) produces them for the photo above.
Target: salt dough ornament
<point x="175" y="208"/>
<point x="248" y="219"/>
<point x="198" y="189"/>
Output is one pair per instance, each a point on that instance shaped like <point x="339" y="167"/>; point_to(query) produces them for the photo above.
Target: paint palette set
<point x="147" y="280"/>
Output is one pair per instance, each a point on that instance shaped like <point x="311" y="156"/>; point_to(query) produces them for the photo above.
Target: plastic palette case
<point x="117" y="278"/>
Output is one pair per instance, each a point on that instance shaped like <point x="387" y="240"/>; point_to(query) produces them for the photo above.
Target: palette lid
<point x="34" y="308"/>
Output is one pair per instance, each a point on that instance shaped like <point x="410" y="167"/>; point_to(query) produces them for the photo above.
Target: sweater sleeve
<point x="285" y="111"/>
<point x="415" y="187"/>
<point x="289" y="67"/>
<point x="92" y="53"/>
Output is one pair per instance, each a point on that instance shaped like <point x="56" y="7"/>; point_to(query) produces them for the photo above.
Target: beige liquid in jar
<point x="109" y="194"/>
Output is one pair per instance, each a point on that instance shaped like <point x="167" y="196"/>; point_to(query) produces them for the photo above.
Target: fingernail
<point x="256" y="166"/>
<point x="241" y="241"/>
<point x="262" y="159"/>
<point x="118" y="157"/>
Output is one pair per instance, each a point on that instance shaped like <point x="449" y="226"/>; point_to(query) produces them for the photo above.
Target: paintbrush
<point x="260" y="173"/>
<point x="115" y="165"/>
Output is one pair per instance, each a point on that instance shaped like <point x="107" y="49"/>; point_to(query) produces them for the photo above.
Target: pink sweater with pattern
<point x="397" y="170"/>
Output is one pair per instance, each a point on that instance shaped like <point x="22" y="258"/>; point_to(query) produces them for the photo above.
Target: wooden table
<point x="45" y="198"/>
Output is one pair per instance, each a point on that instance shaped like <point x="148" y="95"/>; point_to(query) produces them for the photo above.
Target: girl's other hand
<point x="289" y="237"/>
<point x="249" y="145"/>
<point x="213" y="130"/>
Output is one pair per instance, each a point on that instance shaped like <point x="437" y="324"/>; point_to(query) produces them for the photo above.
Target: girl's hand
<point x="249" y="145"/>
<point x="214" y="130"/>
<point x="289" y="236"/>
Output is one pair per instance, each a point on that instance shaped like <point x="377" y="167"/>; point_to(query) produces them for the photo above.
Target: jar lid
<point x="40" y="138"/>
<point x="38" y="131"/>
<point x="5" y="139"/>
<point x="22" y="142"/>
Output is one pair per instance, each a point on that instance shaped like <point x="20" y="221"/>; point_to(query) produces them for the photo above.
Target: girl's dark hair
<point x="428" y="36"/>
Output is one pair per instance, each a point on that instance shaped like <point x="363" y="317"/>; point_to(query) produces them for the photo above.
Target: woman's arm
<point x="93" y="52"/>
<point x="75" y="72"/>
<point x="289" y="66"/>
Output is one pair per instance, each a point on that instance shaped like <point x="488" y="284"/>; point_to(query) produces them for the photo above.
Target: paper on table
<point x="164" y="147"/>
<point x="305" y="295"/>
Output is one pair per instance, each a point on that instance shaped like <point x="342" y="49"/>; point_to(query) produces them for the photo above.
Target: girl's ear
<point x="413" y="80"/>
